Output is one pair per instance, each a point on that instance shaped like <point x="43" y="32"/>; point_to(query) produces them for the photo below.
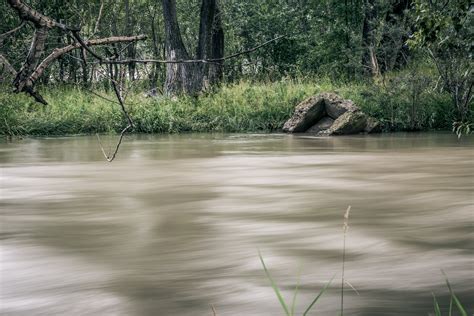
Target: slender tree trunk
<point x="369" y="57"/>
<point x="131" y="48"/>
<point x="156" y="52"/>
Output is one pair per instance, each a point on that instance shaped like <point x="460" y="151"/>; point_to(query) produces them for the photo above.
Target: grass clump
<point x="290" y="310"/>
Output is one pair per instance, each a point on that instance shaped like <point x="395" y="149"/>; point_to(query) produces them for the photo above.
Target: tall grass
<point x="240" y="107"/>
<point x="290" y="310"/>
<point x="454" y="301"/>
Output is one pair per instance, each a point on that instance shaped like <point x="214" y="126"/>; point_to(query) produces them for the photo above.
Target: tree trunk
<point x="131" y="48"/>
<point x="369" y="57"/>
<point x="189" y="78"/>
<point x="156" y="52"/>
<point x="179" y="76"/>
<point x="216" y="71"/>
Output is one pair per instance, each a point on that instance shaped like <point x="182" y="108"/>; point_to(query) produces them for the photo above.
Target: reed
<point x="343" y="281"/>
<point x="453" y="301"/>
<point x="290" y="310"/>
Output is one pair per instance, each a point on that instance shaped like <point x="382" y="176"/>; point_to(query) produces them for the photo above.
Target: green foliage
<point x="445" y="29"/>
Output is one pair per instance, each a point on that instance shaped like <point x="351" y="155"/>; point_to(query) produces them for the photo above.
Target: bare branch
<point x="29" y="14"/>
<point x="185" y="61"/>
<point x="6" y="34"/>
<point x="97" y="22"/>
<point x="5" y="66"/>
<point x="111" y="156"/>
<point x="58" y="52"/>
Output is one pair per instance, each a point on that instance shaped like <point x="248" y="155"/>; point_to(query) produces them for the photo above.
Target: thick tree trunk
<point x="206" y="20"/>
<point x="189" y="78"/>
<point x="180" y="77"/>
<point x="216" y="71"/>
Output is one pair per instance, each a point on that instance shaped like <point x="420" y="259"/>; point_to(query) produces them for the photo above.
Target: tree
<point x="445" y="30"/>
<point x="192" y="77"/>
<point x="33" y="66"/>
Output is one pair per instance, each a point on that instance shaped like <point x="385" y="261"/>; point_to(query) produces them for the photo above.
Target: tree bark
<point x="216" y="71"/>
<point x="180" y="77"/>
<point x="189" y="78"/>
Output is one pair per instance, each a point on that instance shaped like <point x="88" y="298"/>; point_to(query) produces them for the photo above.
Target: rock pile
<point x="329" y="114"/>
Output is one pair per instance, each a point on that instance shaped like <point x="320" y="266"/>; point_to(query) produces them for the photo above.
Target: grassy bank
<point x="241" y="107"/>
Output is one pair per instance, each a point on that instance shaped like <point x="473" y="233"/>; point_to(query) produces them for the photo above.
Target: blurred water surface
<point x="174" y="224"/>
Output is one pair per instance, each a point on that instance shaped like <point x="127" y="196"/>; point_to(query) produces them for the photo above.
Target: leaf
<point x="454" y="297"/>
<point x="274" y="286"/>
<point x="319" y="295"/>
<point x="293" y="302"/>
<point x="436" y="306"/>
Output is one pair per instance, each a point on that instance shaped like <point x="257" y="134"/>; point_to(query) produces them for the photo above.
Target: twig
<point x="187" y="61"/>
<point x="96" y="28"/>
<point x="345" y="227"/>
<point x="6" y="34"/>
<point x="214" y="313"/>
<point x="111" y="157"/>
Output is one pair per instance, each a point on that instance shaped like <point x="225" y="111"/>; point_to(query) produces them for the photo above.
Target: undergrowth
<point x="240" y="107"/>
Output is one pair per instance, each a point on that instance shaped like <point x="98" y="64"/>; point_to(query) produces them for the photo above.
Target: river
<point x="174" y="224"/>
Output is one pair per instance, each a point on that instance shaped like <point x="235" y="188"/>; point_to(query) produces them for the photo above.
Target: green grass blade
<point x="293" y="302"/>
<point x="274" y="286"/>
<point x="450" y="313"/>
<point x="319" y="295"/>
<point x="454" y="297"/>
<point x="436" y="306"/>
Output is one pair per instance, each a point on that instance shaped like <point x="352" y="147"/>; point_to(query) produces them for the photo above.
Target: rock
<point x="306" y="114"/>
<point x="336" y="106"/>
<point x="329" y="114"/>
<point x="372" y="125"/>
<point x="322" y="125"/>
<point x="348" y="123"/>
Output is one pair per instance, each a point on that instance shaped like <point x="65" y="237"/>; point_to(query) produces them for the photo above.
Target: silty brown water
<point x="175" y="224"/>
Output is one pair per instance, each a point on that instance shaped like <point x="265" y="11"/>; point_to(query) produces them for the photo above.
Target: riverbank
<point x="240" y="107"/>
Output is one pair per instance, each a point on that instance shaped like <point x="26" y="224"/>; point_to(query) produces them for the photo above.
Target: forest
<point x="231" y="66"/>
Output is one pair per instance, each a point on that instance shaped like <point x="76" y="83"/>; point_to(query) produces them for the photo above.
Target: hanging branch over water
<point x="118" y="93"/>
<point x="33" y="67"/>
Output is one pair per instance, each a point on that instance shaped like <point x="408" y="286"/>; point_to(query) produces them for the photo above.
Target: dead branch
<point x="6" y="67"/>
<point x="118" y="93"/>
<point x="8" y="33"/>
<point x="27" y="13"/>
<point x="58" y="52"/>
<point x="185" y="61"/>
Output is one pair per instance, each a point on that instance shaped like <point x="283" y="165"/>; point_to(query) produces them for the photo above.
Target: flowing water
<point x="175" y="223"/>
